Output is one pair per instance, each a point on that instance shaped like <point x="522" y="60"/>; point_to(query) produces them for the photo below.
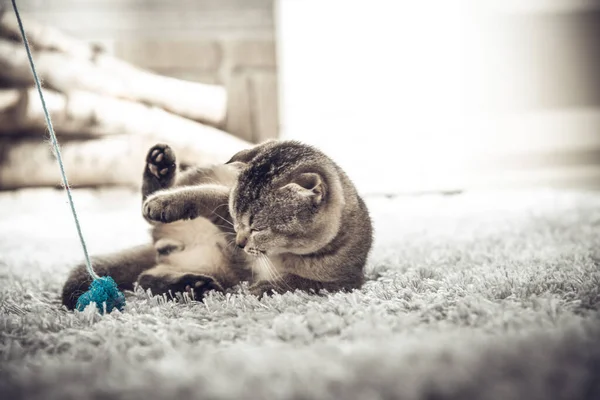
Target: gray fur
<point x="315" y="230"/>
<point x="294" y="205"/>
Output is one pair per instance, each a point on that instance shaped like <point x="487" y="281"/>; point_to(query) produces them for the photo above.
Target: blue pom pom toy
<point x="102" y="291"/>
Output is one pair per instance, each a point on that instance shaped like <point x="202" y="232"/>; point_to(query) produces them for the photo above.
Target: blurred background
<point x="408" y="96"/>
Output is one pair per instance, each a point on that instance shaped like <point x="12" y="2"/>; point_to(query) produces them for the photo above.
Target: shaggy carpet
<point x="471" y="296"/>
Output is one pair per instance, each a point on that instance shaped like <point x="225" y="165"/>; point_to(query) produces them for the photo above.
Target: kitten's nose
<point x="241" y="241"/>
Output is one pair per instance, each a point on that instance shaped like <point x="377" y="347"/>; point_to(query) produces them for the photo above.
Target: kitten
<point x="295" y="217"/>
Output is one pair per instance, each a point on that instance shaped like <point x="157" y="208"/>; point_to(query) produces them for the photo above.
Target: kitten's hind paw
<point x="197" y="285"/>
<point x="161" y="162"/>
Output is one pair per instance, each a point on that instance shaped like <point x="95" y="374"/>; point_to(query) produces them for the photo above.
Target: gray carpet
<point x="473" y="296"/>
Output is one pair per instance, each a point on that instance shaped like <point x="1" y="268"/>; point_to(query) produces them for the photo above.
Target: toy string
<point x="55" y="145"/>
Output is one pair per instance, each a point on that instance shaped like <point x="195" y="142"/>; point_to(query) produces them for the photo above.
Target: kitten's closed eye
<point x="255" y="227"/>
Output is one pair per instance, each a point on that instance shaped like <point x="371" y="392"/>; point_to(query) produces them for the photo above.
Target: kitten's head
<point x="288" y="199"/>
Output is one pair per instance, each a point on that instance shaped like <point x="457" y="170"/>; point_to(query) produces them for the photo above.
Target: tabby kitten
<point x="295" y="217"/>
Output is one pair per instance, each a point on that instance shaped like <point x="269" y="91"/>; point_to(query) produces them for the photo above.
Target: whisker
<point x="265" y="268"/>
<point x="218" y="216"/>
<point x="223" y="227"/>
<point x="223" y="234"/>
<point x="216" y="208"/>
<point x="269" y="264"/>
<point x="229" y="240"/>
<point x="289" y="288"/>
<point x="220" y="205"/>
<point x="275" y="275"/>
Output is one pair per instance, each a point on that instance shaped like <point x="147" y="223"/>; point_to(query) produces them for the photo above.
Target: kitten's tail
<point x="124" y="267"/>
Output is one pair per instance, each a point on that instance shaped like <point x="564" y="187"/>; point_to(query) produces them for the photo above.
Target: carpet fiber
<point x="471" y="296"/>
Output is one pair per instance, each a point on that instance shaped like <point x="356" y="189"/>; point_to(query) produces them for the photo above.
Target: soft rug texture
<point x="471" y="296"/>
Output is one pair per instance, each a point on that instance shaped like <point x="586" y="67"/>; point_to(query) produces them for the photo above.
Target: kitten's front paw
<point x="197" y="285"/>
<point x="160" y="162"/>
<point x="155" y="209"/>
<point x="166" y="209"/>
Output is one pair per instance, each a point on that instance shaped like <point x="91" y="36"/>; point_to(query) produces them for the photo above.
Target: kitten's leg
<point x="290" y="283"/>
<point x="124" y="267"/>
<point x="188" y="202"/>
<point x="161" y="169"/>
<point x="162" y="279"/>
<point x="162" y="172"/>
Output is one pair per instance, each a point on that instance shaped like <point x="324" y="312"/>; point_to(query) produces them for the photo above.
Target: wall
<point x="412" y="96"/>
<point x="229" y="42"/>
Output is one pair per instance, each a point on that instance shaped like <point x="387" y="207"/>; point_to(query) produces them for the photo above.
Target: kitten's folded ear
<point x="246" y="155"/>
<point x="243" y="156"/>
<point x="237" y="165"/>
<point x="308" y="184"/>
